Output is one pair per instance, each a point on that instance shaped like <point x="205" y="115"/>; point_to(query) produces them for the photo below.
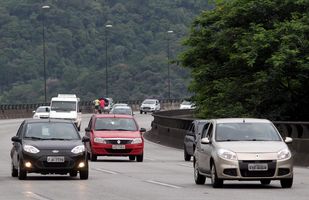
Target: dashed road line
<point x="186" y="165"/>
<point x="105" y="171"/>
<point x="163" y="184"/>
<point x="36" y="196"/>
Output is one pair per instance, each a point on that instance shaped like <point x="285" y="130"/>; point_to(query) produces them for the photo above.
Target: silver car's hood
<point x="253" y="146"/>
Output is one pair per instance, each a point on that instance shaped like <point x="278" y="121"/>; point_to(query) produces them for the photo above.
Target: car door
<point x="189" y="139"/>
<point x="206" y="149"/>
<point x="17" y="146"/>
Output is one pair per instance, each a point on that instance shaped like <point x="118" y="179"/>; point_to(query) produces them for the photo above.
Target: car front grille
<point x="120" y="141"/>
<point x="243" y="166"/>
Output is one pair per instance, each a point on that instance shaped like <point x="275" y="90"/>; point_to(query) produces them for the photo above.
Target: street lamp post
<point x="168" y="63"/>
<point x="106" y="60"/>
<point x="44" y="54"/>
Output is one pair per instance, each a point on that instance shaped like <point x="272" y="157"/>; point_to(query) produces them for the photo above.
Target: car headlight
<point x="137" y="141"/>
<point x="99" y="140"/>
<point x="78" y="149"/>
<point x="30" y="149"/>
<point x="284" y="154"/>
<point x="227" y="155"/>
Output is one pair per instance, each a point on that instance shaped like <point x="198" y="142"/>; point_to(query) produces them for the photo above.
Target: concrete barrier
<point x="169" y="128"/>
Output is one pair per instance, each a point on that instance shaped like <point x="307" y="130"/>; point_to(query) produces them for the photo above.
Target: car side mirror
<point x="205" y="141"/>
<point x="87" y="129"/>
<point x="142" y="130"/>
<point x="15" y="139"/>
<point x="288" y="140"/>
<point x="85" y="139"/>
<point x="46" y="109"/>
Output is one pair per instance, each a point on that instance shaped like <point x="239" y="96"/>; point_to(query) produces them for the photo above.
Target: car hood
<point x="53" y="144"/>
<point x="253" y="146"/>
<point x="144" y="104"/>
<point x="117" y="134"/>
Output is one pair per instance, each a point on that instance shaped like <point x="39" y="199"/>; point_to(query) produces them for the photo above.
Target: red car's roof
<point x="112" y="116"/>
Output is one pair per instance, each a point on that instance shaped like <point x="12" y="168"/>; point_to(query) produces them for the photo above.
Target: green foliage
<point x="250" y="59"/>
<point x="75" y="38"/>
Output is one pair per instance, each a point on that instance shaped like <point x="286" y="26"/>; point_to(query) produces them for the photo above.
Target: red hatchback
<point x="114" y="135"/>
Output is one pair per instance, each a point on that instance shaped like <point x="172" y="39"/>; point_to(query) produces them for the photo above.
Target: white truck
<point x="66" y="106"/>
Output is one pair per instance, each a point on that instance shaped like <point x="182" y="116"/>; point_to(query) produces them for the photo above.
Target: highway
<point x="163" y="175"/>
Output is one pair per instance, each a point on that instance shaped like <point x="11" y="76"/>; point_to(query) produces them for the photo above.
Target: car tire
<point x="84" y="174"/>
<point x="140" y="158"/>
<point x="198" y="178"/>
<point x="186" y="156"/>
<point x="141" y="112"/>
<point x="14" y="171"/>
<point x="286" y="183"/>
<point x="22" y="174"/>
<point x="265" y="181"/>
<point x="132" y="158"/>
<point x="73" y="173"/>
<point x="216" y="182"/>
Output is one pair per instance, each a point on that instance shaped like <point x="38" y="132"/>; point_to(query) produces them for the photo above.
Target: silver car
<point x="242" y="149"/>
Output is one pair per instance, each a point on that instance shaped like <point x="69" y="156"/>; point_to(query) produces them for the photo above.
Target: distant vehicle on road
<point x="192" y="134"/>
<point x="150" y="105"/>
<point x="48" y="146"/>
<point x="114" y="135"/>
<point x="108" y="105"/>
<point x="243" y="149"/>
<point x="66" y="106"/>
<point x="122" y="110"/>
<point x="186" y="105"/>
<point x="42" y="112"/>
<point x="119" y="104"/>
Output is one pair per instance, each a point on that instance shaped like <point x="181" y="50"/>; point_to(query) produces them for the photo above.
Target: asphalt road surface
<point x="163" y="175"/>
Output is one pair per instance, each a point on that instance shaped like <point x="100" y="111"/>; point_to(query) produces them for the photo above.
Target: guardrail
<point x="169" y="128"/>
<point x="11" y="111"/>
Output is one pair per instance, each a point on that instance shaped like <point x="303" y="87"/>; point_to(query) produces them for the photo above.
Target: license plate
<point x="258" y="167"/>
<point x="118" y="146"/>
<point x="55" y="159"/>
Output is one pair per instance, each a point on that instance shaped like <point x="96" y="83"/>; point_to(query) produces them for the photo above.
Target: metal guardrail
<point x="169" y="128"/>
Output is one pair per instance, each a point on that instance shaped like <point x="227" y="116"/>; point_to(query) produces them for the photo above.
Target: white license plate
<point x="55" y="159"/>
<point x="118" y="146"/>
<point x="257" y="167"/>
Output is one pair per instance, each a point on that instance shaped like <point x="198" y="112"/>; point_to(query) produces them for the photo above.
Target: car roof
<point x="112" y="116"/>
<point x="241" y="120"/>
<point x="48" y="120"/>
<point x="123" y="107"/>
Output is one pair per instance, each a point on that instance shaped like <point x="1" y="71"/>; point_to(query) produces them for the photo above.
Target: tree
<point x="251" y="58"/>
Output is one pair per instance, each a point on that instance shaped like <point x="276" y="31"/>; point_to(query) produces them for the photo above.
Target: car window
<point x="246" y="132"/>
<point x="46" y="131"/>
<point x="126" y="124"/>
<point x="208" y="132"/>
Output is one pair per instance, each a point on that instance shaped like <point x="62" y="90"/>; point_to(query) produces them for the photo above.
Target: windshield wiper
<point x="227" y="140"/>
<point x="34" y="138"/>
<point x="102" y="129"/>
<point x="121" y="129"/>
<point x="56" y="139"/>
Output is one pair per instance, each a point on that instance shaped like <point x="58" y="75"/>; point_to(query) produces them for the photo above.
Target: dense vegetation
<point x="75" y="37"/>
<point x="251" y="58"/>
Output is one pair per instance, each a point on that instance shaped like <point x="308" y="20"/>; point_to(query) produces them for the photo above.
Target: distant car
<point x="48" y="146"/>
<point x="195" y="129"/>
<point x="108" y="105"/>
<point x="243" y="149"/>
<point x="150" y="105"/>
<point x="42" y="112"/>
<point x="114" y="135"/>
<point x="122" y="110"/>
<point x="186" y="105"/>
<point x="119" y="104"/>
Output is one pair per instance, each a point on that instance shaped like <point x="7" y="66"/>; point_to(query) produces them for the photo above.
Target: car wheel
<point x="92" y="157"/>
<point x="215" y="181"/>
<point x="186" y="156"/>
<point x="265" y="181"/>
<point x="199" y="179"/>
<point x="73" y="173"/>
<point x="78" y="128"/>
<point x="140" y="158"/>
<point x="141" y="112"/>
<point x="22" y="174"/>
<point x="14" y="171"/>
<point x="286" y="183"/>
<point x="131" y="157"/>
<point x="84" y="174"/>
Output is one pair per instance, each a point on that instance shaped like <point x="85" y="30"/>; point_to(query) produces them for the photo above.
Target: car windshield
<point x="149" y="102"/>
<point x="120" y="110"/>
<point x="63" y="106"/>
<point x="42" y="109"/>
<point x="51" y="131"/>
<point x="246" y="132"/>
<point x="111" y="124"/>
<point x="186" y="103"/>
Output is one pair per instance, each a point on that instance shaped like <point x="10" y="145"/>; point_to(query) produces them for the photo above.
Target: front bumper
<point x="109" y="150"/>
<point x="39" y="163"/>
<point x="239" y="170"/>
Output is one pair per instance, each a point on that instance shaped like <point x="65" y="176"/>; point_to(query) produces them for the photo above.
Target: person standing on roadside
<point x="96" y="103"/>
<point x="102" y="105"/>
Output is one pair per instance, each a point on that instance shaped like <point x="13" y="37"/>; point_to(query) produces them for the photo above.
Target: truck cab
<point x="66" y="106"/>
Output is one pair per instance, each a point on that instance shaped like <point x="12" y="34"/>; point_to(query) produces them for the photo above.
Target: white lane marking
<point x="35" y="196"/>
<point x="104" y="170"/>
<point x="150" y="159"/>
<point x="163" y="184"/>
<point x="186" y="165"/>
